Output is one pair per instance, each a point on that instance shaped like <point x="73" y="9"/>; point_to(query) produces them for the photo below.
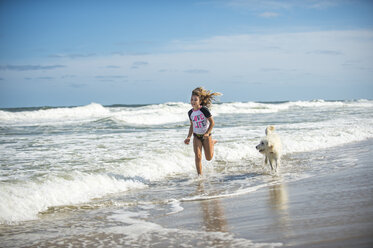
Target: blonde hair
<point x="205" y="96"/>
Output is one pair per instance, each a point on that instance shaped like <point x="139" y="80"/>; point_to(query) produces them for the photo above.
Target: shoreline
<point x="333" y="210"/>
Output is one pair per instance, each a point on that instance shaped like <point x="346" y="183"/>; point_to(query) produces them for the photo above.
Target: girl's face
<point x="195" y="101"/>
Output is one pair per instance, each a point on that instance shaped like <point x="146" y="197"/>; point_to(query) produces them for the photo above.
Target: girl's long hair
<point x="206" y="96"/>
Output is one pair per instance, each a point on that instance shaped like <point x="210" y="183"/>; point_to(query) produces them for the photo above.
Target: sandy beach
<point x="334" y="210"/>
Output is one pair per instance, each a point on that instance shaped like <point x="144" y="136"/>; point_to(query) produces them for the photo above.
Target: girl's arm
<point x="212" y="123"/>
<point x="187" y="140"/>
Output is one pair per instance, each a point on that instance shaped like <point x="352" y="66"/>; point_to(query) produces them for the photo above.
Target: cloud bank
<point x="30" y="67"/>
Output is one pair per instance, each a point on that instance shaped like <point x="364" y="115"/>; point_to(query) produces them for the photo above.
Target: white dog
<point x="270" y="146"/>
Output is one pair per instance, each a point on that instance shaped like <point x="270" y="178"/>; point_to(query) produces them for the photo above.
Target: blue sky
<point x="63" y="53"/>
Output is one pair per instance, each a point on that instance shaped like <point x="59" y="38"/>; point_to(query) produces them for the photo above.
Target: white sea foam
<point x="156" y="114"/>
<point x="326" y="134"/>
<point x="135" y="229"/>
<point x="55" y="115"/>
<point x="147" y="115"/>
<point x="241" y="191"/>
<point x="157" y="162"/>
<point x="299" y="137"/>
<point x="96" y="164"/>
<point x="175" y="206"/>
<point x="152" y="114"/>
<point x="155" y="166"/>
<point x="23" y="201"/>
<point x="255" y="107"/>
<point x="130" y="229"/>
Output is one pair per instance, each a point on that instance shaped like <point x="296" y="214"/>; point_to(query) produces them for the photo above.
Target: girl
<point x="201" y="124"/>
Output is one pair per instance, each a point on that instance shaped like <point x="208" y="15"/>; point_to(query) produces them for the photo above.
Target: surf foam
<point x="159" y="114"/>
<point x="23" y="201"/>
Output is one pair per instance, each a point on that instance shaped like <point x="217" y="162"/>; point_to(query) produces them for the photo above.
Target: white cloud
<point x="305" y="58"/>
<point x="197" y="71"/>
<point x="260" y="4"/>
<point x="269" y="14"/>
<point x="73" y="56"/>
<point x="286" y="42"/>
<point x="30" y="67"/>
<point x="278" y="5"/>
<point x="324" y="4"/>
<point x="138" y="64"/>
<point x="324" y="53"/>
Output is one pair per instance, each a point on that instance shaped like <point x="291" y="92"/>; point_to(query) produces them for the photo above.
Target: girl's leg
<point x="197" y="146"/>
<point x="208" y="146"/>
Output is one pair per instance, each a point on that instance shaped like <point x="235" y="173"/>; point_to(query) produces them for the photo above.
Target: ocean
<point x="94" y="175"/>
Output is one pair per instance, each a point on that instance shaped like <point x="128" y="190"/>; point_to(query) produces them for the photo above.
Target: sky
<point x="68" y="53"/>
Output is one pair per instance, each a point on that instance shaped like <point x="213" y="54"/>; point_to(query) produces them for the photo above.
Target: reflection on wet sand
<point x="278" y="201"/>
<point x="213" y="216"/>
<point x="212" y="213"/>
<point x="278" y="197"/>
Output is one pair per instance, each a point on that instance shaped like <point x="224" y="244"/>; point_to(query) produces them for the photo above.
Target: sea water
<point x="93" y="166"/>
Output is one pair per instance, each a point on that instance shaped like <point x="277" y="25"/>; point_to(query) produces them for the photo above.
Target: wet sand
<point x="334" y="210"/>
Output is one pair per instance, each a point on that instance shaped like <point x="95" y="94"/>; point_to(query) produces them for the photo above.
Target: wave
<point x="152" y="114"/>
<point x="295" y="137"/>
<point x="144" y="115"/>
<point x="137" y="159"/>
<point x="55" y="115"/>
<point x="273" y="107"/>
<point x="156" y="114"/>
<point x="24" y="201"/>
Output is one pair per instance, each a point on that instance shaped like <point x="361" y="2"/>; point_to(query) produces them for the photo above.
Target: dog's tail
<point x="270" y="129"/>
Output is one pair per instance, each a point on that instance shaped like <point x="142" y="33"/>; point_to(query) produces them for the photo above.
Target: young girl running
<point x="201" y="124"/>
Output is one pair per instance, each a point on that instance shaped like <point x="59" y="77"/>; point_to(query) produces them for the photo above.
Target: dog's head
<point x="264" y="146"/>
